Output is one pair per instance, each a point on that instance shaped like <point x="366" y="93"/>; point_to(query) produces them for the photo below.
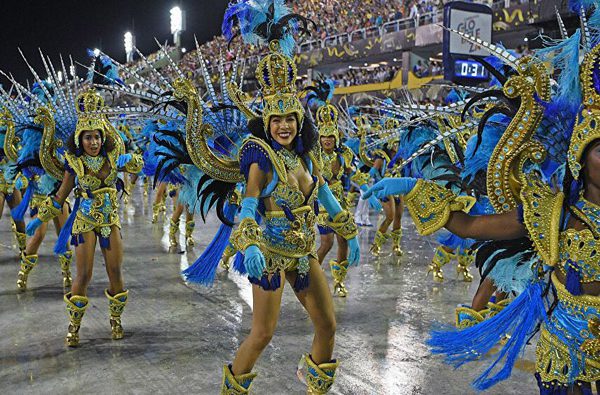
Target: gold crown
<point x="276" y="73"/>
<point x="327" y="118"/>
<point x="88" y="106"/>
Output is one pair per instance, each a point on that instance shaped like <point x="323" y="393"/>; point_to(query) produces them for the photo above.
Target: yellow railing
<point x="396" y="83"/>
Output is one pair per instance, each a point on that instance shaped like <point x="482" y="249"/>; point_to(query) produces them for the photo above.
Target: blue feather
<point x="203" y="270"/>
<point x="238" y="264"/>
<point x="19" y="212"/>
<point x="518" y="320"/>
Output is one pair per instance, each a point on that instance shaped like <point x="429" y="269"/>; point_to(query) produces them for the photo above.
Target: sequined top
<point x="289" y="234"/>
<point x="98" y="209"/>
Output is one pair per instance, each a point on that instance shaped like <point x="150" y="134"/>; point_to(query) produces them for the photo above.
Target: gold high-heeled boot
<point x="319" y="378"/>
<point x="441" y="258"/>
<point x="396" y="240"/>
<point x="378" y="242"/>
<point x="466" y="317"/>
<point x="227" y="254"/>
<point x="21" y="240"/>
<point x="189" y="230"/>
<point x="157" y="208"/>
<point x="76" y="306"/>
<point x="174" y="232"/>
<point x="28" y="262"/>
<point x="236" y="385"/>
<point x="65" y="267"/>
<point x="116" y="304"/>
<point x="146" y="186"/>
<point x="339" y="272"/>
<point x="465" y="258"/>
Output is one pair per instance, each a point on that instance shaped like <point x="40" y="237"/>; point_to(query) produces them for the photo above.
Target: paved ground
<point x="178" y="335"/>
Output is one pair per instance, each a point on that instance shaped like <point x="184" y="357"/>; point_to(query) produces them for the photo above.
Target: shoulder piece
<point x="542" y="211"/>
<point x="255" y="150"/>
<point x="348" y="156"/>
<point x="75" y="163"/>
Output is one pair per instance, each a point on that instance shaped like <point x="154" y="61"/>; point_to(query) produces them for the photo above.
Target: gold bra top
<point x="89" y="181"/>
<point x="293" y="196"/>
<point x="580" y="247"/>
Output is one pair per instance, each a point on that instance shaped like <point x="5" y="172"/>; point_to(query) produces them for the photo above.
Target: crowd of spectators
<point x="361" y="76"/>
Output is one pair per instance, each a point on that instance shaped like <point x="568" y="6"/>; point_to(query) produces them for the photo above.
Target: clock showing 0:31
<point x="469" y="69"/>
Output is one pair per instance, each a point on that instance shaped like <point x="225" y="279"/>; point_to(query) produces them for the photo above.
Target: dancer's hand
<point x="354" y="249"/>
<point x="254" y="261"/>
<point x="123" y="160"/>
<point x="32" y="226"/>
<point x="391" y="186"/>
<point x="373" y="201"/>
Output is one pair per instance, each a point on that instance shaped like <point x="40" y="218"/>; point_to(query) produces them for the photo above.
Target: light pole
<point x="177" y="24"/>
<point x="129" y="41"/>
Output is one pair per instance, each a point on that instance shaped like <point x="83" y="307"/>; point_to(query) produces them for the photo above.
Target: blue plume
<point x="518" y="320"/>
<point x="238" y="264"/>
<point x="62" y="243"/>
<point x="576" y="5"/>
<point x="203" y="270"/>
<point x="477" y="157"/>
<point x="19" y="212"/>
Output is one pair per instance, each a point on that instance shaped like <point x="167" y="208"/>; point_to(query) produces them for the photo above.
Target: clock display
<point x="469" y="69"/>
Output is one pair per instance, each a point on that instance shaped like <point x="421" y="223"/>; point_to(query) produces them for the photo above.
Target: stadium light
<point x="128" y="40"/>
<point x="96" y="52"/>
<point x="177" y="24"/>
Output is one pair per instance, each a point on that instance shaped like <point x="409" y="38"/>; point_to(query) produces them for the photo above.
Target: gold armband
<point x="47" y="210"/>
<point x="361" y="178"/>
<point x="343" y="224"/>
<point x="430" y="205"/>
<point x="135" y="165"/>
<point x="247" y="233"/>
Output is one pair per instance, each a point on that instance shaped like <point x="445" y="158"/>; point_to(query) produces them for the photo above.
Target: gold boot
<point x="441" y="258"/>
<point x="227" y="254"/>
<point x="465" y="258"/>
<point x="21" y="240"/>
<point x="157" y="208"/>
<point x="236" y="385"/>
<point x="378" y="242"/>
<point x="28" y="262"/>
<point x="116" y="304"/>
<point x="319" y="378"/>
<point x="65" y="267"/>
<point x="146" y="186"/>
<point x="338" y="272"/>
<point x="396" y="240"/>
<point x="189" y="230"/>
<point x="76" y="306"/>
<point x="174" y="232"/>
<point x="495" y="308"/>
<point x="466" y="317"/>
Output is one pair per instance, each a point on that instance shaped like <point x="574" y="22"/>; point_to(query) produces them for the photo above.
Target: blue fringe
<point x="61" y="246"/>
<point x="519" y="319"/>
<point x="19" y="212"/>
<point x="301" y="283"/>
<point x="77" y="239"/>
<point x="573" y="283"/>
<point x="253" y="153"/>
<point x="238" y="264"/>
<point x="203" y="270"/>
<point x="104" y="242"/>
<point x="273" y="285"/>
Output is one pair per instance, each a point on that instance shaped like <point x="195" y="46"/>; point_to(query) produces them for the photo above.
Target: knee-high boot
<point x="28" y="262"/>
<point x="339" y="272"/>
<point x="65" y="267"/>
<point x="76" y="305"/>
<point x="116" y="304"/>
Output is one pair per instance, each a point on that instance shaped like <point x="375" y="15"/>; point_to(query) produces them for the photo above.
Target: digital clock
<point x="469" y="69"/>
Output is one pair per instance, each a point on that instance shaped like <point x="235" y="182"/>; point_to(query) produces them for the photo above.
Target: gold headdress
<point x="587" y="125"/>
<point x="89" y="106"/>
<point x="390" y="125"/>
<point x="327" y="121"/>
<point x="276" y="74"/>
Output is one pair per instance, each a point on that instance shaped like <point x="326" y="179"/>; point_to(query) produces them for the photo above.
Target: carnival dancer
<point x="9" y="181"/>
<point x="93" y="159"/>
<point x="559" y="230"/>
<point x="31" y="163"/>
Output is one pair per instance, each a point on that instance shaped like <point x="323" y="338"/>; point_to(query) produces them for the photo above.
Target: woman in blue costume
<point x="40" y="181"/>
<point x="9" y="181"/>
<point x="561" y="230"/>
<point x="281" y="164"/>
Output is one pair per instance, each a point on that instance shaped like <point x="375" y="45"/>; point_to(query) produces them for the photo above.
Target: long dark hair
<point x="107" y="146"/>
<point x="308" y="133"/>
